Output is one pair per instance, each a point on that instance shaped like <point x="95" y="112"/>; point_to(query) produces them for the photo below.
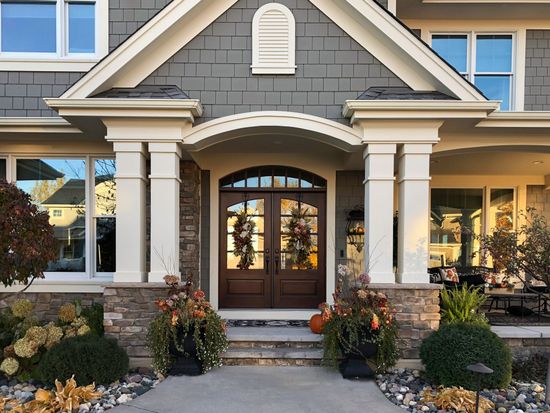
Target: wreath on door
<point x="297" y="234"/>
<point x="243" y="246"/>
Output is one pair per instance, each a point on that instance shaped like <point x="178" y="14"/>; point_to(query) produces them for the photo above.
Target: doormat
<point x="267" y="323"/>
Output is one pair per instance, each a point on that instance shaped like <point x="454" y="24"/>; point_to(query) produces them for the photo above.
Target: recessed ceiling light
<point x="537" y="162"/>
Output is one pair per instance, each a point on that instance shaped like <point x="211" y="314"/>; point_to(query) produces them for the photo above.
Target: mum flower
<point x="21" y="308"/>
<point x="9" y="366"/>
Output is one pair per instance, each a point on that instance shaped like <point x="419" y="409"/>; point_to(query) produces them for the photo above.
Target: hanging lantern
<point x="355" y="228"/>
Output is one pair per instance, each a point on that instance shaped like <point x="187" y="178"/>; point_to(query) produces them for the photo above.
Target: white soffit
<point x="364" y="20"/>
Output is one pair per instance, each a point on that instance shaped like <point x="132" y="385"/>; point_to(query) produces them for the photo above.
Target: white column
<point x="165" y="209"/>
<point x="414" y="212"/>
<point x="130" y="215"/>
<point x="379" y="188"/>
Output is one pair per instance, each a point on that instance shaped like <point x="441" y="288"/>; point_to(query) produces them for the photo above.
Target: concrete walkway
<point x="262" y="390"/>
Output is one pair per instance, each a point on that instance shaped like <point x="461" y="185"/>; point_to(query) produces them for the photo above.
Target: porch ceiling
<point x="488" y="161"/>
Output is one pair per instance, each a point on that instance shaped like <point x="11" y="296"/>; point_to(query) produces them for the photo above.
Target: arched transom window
<point x="273" y="40"/>
<point x="273" y="177"/>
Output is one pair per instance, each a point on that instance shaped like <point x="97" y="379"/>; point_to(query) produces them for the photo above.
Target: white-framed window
<point x="60" y="35"/>
<point x="459" y="216"/>
<point x="486" y="59"/>
<point x="3" y="169"/>
<point x="273" y="40"/>
<point x="79" y="193"/>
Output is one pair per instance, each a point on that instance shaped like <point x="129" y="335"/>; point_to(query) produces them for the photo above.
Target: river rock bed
<point x="403" y="387"/>
<point x="127" y="389"/>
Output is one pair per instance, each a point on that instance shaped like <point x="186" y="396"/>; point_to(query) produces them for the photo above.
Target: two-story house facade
<point x="422" y="117"/>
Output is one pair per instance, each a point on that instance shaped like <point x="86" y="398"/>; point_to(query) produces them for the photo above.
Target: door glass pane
<point x="309" y="210"/>
<point x="259" y="221"/>
<point x="453" y="48"/>
<point x="81" y="28"/>
<point x="28" y="27"/>
<point x="256" y="207"/>
<point x="287" y="205"/>
<point x="501" y="215"/>
<point x="456" y="218"/>
<point x="279" y="178"/>
<point x="494" y="53"/>
<point x="233" y="209"/>
<point x="2" y="168"/>
<point x="495" y="88"/>
<point x="58" y="187"/>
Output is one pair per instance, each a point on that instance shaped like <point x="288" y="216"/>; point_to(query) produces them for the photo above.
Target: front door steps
<point x="273" y="346"/>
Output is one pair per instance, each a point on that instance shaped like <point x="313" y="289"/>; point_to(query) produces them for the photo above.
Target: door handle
<point x="266" y="252"/>
<point x="277" y="261"/>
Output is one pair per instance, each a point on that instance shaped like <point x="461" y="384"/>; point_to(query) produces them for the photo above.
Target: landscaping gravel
<point x="403" y="387"/>
<point x="132" y="386"/>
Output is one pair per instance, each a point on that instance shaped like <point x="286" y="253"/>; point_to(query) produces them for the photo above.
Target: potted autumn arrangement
<point x="360" y="331"/>
<point x="187" y="337"/>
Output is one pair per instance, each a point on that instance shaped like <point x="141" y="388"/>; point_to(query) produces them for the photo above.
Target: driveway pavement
<point x="263" y="390"/>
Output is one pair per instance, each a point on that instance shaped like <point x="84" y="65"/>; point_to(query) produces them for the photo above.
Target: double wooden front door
<point x="281" y="273"/>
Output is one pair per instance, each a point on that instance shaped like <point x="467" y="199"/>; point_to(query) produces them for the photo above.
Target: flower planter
<point x="186" y="362"/>
<point x="355" y="363"/>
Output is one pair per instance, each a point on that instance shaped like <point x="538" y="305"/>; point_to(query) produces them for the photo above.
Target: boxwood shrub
<point x="446" y="354"/>
<point x="91" y="359"/>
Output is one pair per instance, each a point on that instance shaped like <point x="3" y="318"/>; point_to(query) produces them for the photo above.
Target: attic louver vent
<point x="273" y="40"/>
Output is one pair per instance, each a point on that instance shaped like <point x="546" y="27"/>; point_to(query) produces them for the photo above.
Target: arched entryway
<point x="272" y="239"/>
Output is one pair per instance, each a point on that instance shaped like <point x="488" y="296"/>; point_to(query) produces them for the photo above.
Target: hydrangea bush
<point x="23" y="341"/>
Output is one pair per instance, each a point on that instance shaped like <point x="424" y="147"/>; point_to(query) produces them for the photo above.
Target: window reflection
<point x="456" y="219"/>
<point x="59" y="185"/>
<point x="2" y="168"/>
<point x="105" y="211"/>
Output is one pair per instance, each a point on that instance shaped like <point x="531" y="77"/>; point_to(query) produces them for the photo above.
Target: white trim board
<point x="366" y="21"/>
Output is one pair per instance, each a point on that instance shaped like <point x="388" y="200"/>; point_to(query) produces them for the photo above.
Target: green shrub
<point x="90" y="358"/>
<point x="461" y="305"/>
<point x="94" y="315"/>
<point x="446" y="354"/>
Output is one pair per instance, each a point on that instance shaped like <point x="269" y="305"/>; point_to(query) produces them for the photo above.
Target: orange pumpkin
<point x="316" y="323"/>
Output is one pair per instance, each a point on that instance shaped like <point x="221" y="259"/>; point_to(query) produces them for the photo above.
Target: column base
<point x="158" y="276"/>
<point x="413" y="278"/>
<point x="130" y="277"/>
<point x="382" y="277"/>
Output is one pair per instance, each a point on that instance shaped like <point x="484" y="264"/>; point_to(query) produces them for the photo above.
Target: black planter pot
<point x="186" y="362"/>
<point x="355" y="360"/>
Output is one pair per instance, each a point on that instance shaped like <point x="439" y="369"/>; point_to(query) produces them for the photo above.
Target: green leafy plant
<point x="91" y="359"/>
<point x="447" y="352"/>
<point x="185" y="311"/>
<point x="27" y="241"/>
<point x="359" y="315"/>
<point x="462" y="305"/>
<point x="94" y="316"/>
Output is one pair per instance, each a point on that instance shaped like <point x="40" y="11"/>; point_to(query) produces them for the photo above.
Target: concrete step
<point x="268" y="346"/>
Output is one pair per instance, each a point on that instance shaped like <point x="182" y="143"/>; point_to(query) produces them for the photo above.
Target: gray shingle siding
<point x="215" y="67"/>
<point x="537" y="70"/>
<point x="22" y="93"/>
<point x="126" y="16"/>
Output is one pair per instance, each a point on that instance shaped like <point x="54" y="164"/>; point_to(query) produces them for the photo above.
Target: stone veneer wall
<point x="539" y="198"/>
<point x="190" y="218"/>
<point x="46" y="305"/>
<point x="523" y="348"/>
<point x="129" y="308"/>
<point x="418" y="315"/>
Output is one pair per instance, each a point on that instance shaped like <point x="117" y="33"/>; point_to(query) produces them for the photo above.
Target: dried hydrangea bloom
<point x="37" y="335"/>
<point x="10" y="366"/>
<point x="9" y="351"/>
<point x="25" y="348"/>
<point x="83" y="330"/>
<point x="67" y="312"/>
<point x="171" y="279"/>
<point x="55" y="334"/>
<point x="21" y="308"/>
